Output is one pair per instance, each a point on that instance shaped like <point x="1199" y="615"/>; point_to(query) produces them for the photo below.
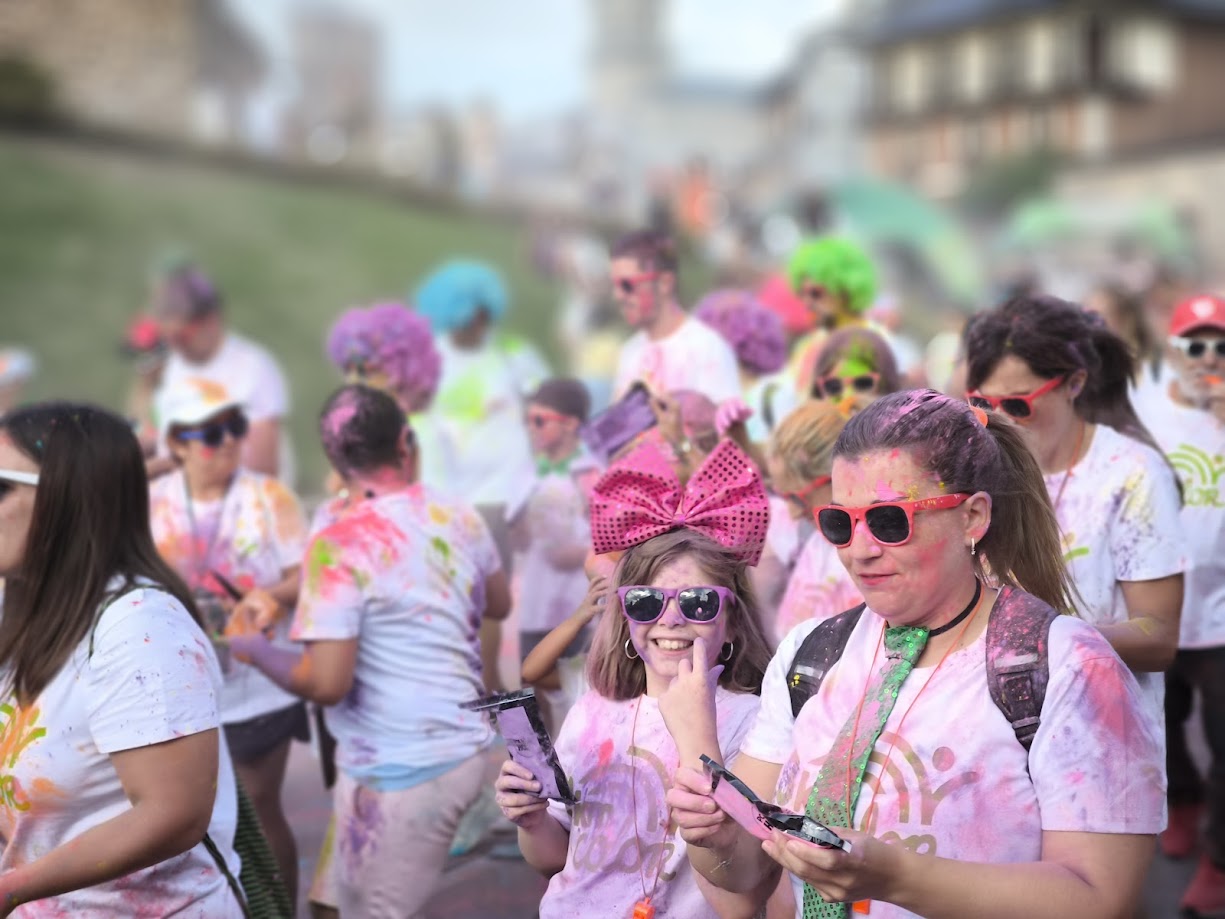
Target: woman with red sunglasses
<point x="940" y="515"/>
<point x="1064" y="377"/>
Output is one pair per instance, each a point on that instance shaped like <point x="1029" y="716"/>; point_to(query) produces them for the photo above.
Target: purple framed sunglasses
<point x="643" y="604"/>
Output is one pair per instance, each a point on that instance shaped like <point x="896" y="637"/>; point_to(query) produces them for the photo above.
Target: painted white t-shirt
<point x="152" y="677"/>
<point x="694" y="357"/>
<point x="479" y="413"/>
<point x="250" y="537"/>
<point x="554" y="515"/>
<point x="819" y="587"/>
<point x="1194" y="441"/>
<point x="1119" y="520"/>
<point x="609" y="761"/>
<point x="251" y="375"/>
<point x="405" y="575"/>
<point x="955" y="783"/>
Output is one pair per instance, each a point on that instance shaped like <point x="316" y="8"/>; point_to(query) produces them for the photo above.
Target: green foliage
<point x="1000" y="185"/>
<point x="27" y="92"/>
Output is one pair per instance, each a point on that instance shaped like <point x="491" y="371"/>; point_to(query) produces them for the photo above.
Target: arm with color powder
<point x="322" y="672"/>
<point x="540" y="666"/>
<point x="172" y="787"/>
<point x="1148" y="639"/>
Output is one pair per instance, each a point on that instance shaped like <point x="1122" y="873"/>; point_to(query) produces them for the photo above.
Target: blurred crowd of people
<point x="944" y="609"/>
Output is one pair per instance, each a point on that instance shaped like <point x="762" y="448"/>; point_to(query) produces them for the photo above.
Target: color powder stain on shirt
<point x="606" y="752"/>
<point x="322" y="558"/>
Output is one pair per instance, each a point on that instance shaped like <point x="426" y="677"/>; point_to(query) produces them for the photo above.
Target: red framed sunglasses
<point x="629" y="284"/>
<point x="891" y="523"/>
<point x="1016" y="406"/>
<point x="799" y="496"/>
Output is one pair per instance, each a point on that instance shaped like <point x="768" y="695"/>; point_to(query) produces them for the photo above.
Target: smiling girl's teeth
<point x="672" y="644"/>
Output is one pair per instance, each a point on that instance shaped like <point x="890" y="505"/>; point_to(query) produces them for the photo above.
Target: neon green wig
<point x="839" y="266"/>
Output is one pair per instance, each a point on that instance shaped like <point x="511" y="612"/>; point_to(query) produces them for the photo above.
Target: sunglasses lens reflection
<point x="643" y="604"/>
<point x="888" y="523"/>
<point x="698" y="604"/>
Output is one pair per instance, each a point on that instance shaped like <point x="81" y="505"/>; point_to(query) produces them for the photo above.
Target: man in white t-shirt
<point x="669" y="349"/>
<point x="187" y="308"/>
<point x="1187" y="419"/>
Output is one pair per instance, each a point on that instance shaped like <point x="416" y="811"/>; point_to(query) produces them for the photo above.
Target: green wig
<point x="839" y="266"/>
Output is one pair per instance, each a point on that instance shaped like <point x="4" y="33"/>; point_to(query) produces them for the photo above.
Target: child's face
<point x="664" y="643"/>
<point x="548" y="430"/>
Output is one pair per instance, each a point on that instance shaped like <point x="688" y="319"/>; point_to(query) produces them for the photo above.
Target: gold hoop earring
<point x="729" y="648"/>
<point x="629" y="645"/>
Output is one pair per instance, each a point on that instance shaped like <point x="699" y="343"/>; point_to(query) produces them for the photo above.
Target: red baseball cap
<point x="1202" y="312"/>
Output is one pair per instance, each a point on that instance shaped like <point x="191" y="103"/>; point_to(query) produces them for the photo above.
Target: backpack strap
<point x="817" y="654"/>
<point x="219" y="861"/>
<point x="1018" y="662"/>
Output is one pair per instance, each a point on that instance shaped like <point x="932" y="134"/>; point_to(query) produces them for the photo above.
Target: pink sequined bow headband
<point x="640" y="497"/>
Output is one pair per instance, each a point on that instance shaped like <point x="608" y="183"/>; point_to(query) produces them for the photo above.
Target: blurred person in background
<point x="486" y="373"/>
<point x="1188" y="421"/>
<point x="759" y="342"/>
<point x="943" y="361"/>
<point x="393" y="595"/>
<point x="888" y="321"/>
<point x="586" y="331"/>
<point x="1123" y="312"/>
<point x="669" y="349"/>
<point x="236" y="537"/>
<point x="550" y="525"/>
<point x="17" y="368"/>
<point x="853" y="369"/>
<point x="115" y="768"/>
<point x="1064" y="377"/>
<point x="188" y="309"/>
<point x="389" y="347"/>
<point x="800" y="460"/>
<point x="837" y="282"/>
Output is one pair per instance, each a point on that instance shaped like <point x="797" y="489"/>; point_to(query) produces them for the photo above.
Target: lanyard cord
<point x="203" y="561"/>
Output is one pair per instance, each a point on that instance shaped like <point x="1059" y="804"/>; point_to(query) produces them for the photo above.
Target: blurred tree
<point x="1000" y="185"/>
<point x="27" y="92"/>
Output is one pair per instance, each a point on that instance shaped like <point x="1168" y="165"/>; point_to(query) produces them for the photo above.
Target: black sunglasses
<point x="834" y="387"/>
<point x="213" y="435"/>
<point x="697" y="604"/>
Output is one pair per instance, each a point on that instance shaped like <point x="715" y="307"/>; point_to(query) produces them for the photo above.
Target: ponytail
<point x="1106" y="398"/>
<point x="1023" y="544"/>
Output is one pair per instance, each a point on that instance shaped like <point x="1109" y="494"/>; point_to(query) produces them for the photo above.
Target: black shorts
<point x="530" y="639"/>
<point x="257" y="737"/>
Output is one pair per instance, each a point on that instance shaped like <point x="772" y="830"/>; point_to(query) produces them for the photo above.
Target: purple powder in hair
<point x="755" y="333"/>
<point x="390" y="338"/>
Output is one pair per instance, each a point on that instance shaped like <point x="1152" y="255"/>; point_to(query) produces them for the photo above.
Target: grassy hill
<point x="79" y="227"/>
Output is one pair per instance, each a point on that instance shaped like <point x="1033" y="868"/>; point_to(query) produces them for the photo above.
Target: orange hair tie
<point x="979" y="413"/>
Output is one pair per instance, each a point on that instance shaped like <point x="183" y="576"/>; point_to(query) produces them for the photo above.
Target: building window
<point x="1142" y="54"/>
<point x="972" y="64"/>
<point x="1039" y="56"/>
<point x="910" y="79"/>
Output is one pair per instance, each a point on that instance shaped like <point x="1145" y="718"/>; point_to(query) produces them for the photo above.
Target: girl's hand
<point x="688" y="704"/>
<point x="516" y="794"/>
<point x="668" y="418"/>
<point x="864" y="873"/>
<point x="596" y="600"/>
<point x="699" y="820"/>
<point x="730" y="413"/>
<point x="257" y="611"/>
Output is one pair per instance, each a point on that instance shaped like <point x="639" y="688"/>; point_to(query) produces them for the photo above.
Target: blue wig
<point x="453" y="293"/>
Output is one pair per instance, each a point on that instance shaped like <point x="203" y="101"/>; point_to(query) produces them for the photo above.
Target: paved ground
<point x="480" y="886"/>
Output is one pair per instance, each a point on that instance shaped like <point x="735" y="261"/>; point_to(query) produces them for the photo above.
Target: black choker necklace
<point x="978" y="592"/>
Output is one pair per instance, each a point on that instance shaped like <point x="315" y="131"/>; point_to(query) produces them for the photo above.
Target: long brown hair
<point x="943" y="435"/>
<point x="615" y="676"/>
<point x="90" y="526"/>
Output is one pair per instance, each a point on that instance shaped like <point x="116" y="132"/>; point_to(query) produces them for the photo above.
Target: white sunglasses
<point x="21" y="478"/>
<point x="1198" y="347"/>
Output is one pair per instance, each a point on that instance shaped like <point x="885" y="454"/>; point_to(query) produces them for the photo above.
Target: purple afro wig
<point x="392" y="338"/>
<point x="755" y="332"/>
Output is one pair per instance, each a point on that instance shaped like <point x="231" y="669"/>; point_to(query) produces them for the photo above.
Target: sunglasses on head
<point x="834" y="387"/>
<point x="890" y="523"/>
<point x="628" y="285"/>
<point x="1198" y="347"/>
<point x="1017" y="406"/>
<point x="644" y="604"/>
<point x="11" y="478"/>
<point x="213" y="435"/>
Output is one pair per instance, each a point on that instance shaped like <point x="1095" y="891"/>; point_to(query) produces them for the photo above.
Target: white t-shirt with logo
<point x="151" y="677"/>
<point x="251" y="375"/>
<point x="1119" y="516"/>
<point x="249" y="537"/>
<point x="948" y="777"/>
<point x="819" y="587"/>
<point x="610" y="760"/>
<point x="405" y="575"/>
<point x="1194" y="442"/>
<point x="694" y="357"/>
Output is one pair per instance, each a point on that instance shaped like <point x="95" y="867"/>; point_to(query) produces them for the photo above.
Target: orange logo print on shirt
<point x="16" y="733"/>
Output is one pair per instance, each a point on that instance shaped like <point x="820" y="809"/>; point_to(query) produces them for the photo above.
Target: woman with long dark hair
<point x="1064" y="377"/>
<point x="112" y="748"/>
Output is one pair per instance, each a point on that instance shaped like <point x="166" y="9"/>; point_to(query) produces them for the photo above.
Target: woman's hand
<point x="258" y="611"/>
<point x="699" y="820"/>
<point x="863" y="873"/>
<point x="688" y="706"/>
<point x="517" y="795"/>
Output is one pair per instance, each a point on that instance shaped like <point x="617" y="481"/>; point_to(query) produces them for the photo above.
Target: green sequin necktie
<point x="849" y="755"/>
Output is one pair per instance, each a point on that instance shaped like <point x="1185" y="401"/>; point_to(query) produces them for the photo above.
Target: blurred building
<point x="174" y="68"/>
<point x="956" y="83"/>
<point x="336" y="113"/>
